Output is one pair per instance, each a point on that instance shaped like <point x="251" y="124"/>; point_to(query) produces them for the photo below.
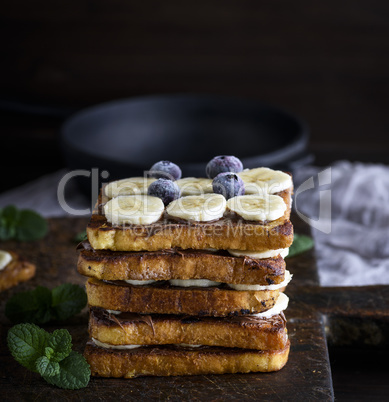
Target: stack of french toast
<point x="186" y="275"/>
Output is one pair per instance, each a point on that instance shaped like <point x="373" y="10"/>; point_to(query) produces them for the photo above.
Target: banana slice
<point x="110" y="346"/>
<point x="194" y="186"/>
<point x="187" y="345"/>
<point x="202" y="283"/>
<point x="116" y="312"/>
<point x="133" y="209"/>
<point x="140" y="283"/>
<point x="131" y="186"/>
<point x="288" y="278"/>
<point x="5" y="259"/>
<point x="257" y="208"/>
<point x="260" y="254"/>
<point x="281" y="305"/>
<point x="262" y="181"/>
<point x="199" y="208"/>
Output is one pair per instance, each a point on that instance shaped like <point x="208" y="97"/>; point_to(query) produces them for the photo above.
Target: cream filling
<point x="260" y="254"/>
<point x="281" y="305"/>
<point x="288" y="278"/>
<point x="128" y="347"/>
<point x="5" y="259"/>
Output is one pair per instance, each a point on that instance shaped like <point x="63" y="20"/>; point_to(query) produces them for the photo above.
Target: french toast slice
<point x="175" y="360"/>
<point x="228" y="232"/>
<point x="17" y="271"/>
<point x="246" y="332"/>
<point x="219" y="266"/>
<point x="217" y="301"/>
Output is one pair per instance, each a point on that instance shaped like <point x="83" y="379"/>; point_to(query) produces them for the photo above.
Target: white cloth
<point x="356" y="252"/>
<point x="41" y="196"/>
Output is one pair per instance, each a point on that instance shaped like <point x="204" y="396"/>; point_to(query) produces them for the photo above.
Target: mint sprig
<point x="301" y="243"/>
<point x="21" y="224"/>
<point x="50" y="355"/>
<point x="42" y="305"/>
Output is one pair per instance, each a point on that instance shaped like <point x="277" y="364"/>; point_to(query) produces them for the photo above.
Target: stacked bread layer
<point x="177" y="298"/>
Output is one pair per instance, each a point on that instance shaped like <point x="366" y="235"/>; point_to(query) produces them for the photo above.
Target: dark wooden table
<point x="341" y="315"/>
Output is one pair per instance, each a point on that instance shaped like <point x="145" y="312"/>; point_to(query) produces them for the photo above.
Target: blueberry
<point x="223" y="163"/>
<point x="165" y="170"/>
<point x="228" y="184"/>
<point x="164" y="189"/>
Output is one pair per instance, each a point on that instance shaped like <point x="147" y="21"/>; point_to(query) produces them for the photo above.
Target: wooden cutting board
<point x="307" y="375"/>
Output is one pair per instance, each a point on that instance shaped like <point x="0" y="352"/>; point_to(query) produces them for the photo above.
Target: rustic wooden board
<point x="305" y="377"/>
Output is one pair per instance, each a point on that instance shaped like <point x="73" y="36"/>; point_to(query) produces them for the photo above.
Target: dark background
<point x="328" y="62"/>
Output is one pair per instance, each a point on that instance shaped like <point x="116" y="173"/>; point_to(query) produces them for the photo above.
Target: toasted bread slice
<point x="18" y="270"/>
<point x="214" y="301"/>
<point x="229" y="232"/>
<point x="180" y="264"/>
<point x="175" y="360"/>
<point x="234" y="332"/>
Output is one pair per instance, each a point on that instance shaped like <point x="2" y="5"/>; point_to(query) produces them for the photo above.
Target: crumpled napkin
<point x="356" y="251"/>
<point x="41" y="196"/>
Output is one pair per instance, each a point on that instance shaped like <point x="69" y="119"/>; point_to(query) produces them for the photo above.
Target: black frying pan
<point x="126" y="137"/>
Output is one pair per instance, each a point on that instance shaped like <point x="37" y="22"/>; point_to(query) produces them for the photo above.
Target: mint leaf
<point x="46" y="367"/>
<point x="41" y="305"/>
<point x="68" y="299"/>
<point x="79" y="237"/>
<point x="30" y="226"/>
<point x="32" y="306"/>
<point x="23" y="225"/>
<point x="74" y="373"/>
<point x="60" y="343"/>
<point x="301" y="243"/>
<point x="10" y="214"/>
<point x="9" y="217"/>
<point x="4" y="232"/>
<point x="26" y="343"/>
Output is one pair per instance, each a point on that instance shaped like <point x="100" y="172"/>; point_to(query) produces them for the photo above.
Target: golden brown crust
<point x="180" y="264"/>
<point x="171" y="361"/>
<point x="233" y="332"/>
<point x="212" y="301"/>
<point x="18" y="270"/>
<point x="229" y="232"/>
